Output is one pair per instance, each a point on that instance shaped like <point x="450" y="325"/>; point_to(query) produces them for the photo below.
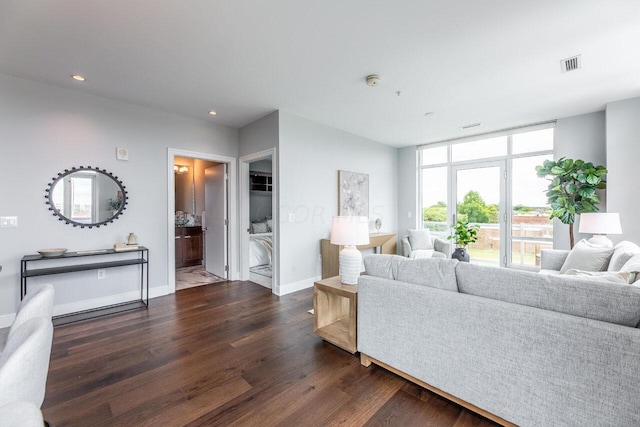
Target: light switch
<point x="409" y="214"/>
<point x="292" y="217"/>
<point x="8" y="221"/>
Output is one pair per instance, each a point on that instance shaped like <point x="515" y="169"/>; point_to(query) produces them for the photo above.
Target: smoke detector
<point x="373" y="80"/>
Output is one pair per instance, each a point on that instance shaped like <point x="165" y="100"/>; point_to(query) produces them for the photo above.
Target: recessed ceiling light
<point x="78" y="77"/>
<point x="212" y="113"/>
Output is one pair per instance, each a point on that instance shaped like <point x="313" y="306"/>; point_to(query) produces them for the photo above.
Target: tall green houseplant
<point x="572" y="188"/>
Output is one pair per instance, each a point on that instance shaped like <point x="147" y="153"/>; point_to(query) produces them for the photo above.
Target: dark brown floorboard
<point x="226" y="354"/>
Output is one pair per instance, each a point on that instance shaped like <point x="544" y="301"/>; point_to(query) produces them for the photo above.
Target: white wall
<point x="408" y="198"/>
<point x="260" y="135"/>
<point x="580" y="137"/>
<point x="310" y="156"/>
<point x="45" y="129"/>
<point x="623" y="152"/>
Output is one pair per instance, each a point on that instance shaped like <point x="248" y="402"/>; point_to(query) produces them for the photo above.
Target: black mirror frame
<point x="61" y="175"/>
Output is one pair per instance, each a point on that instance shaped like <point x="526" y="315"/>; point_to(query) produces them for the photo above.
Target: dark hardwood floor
<point x="226" y="354"/>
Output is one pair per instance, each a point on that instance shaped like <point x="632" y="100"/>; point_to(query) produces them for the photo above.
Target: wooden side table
<point x="335" y="309"/>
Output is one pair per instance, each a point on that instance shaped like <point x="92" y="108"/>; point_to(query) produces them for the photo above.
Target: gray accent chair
<point x="441" y="248"/>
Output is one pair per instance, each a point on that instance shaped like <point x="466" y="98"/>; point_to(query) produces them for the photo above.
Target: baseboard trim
<point x="106" y="301"/>
<point x="289" y="288"/>
<point x="7" y="319"/>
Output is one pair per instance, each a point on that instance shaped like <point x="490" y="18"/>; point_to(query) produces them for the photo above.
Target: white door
<point x="216" y="221"/>
<point x="479" y="194"/>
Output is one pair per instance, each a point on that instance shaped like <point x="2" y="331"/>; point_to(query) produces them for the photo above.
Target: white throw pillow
<point x="632" y="266"/>
<point x="421" y="253"/>
<point x="587" y="257"/>
<point x="609" y="276"/>
<point x="420" y="239"/>
<point x="622" y="252"/>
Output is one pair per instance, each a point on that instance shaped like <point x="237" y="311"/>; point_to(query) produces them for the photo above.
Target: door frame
<point x="504" y="220"/>
<point x="245" y="215"/>
<point x="232" y="247"/>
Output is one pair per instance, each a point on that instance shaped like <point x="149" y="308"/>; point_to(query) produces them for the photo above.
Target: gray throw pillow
<point x="420" y="239"/>
<point x="258" y="227"/>
<point x="587" y="257"/>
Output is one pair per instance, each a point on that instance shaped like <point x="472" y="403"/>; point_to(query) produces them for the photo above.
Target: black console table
<point x="116" y="259"/>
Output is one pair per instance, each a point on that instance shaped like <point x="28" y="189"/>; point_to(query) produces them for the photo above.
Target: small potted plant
<point x="463" y="233"/>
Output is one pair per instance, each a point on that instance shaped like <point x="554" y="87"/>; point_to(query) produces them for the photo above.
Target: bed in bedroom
<point x="260" y="249"/>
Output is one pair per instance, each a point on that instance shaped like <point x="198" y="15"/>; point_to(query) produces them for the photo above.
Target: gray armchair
<point x="441" y="248"/>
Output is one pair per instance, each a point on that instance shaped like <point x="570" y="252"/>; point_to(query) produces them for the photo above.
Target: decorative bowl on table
<point x="54" y="252"/>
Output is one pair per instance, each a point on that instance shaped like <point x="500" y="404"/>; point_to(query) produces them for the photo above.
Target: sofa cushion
<point x="593" y="299"/>
<point x="610" y="276"/>
<point x="433" y="272"/>
<point x="587" y="257"/>
<point x="622" y="252"/>
<point x="420" y="239"/>
<point x="385" y="266"/>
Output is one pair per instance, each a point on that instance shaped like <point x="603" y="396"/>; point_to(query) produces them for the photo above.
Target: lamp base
<point x="601" y="241"/>
<point x="350" y="261"/>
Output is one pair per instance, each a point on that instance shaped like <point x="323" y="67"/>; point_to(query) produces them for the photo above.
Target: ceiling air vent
<point x="570" y="64"/>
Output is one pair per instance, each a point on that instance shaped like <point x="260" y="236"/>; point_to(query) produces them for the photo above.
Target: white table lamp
<point x="600" y="224"/>
<point x="350" y="231"/>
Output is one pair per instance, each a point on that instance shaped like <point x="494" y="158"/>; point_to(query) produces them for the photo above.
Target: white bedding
<point x="260" y="249"/>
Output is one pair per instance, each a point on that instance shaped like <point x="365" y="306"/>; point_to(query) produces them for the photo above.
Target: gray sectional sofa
<point x="516" y="346"/>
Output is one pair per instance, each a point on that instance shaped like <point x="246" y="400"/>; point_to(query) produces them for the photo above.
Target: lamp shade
<point x="600" y="223"/>
<point x="350" y="230"/>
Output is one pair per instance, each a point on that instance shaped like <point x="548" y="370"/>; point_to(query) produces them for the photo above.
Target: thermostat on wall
<point x="122" y="154"/>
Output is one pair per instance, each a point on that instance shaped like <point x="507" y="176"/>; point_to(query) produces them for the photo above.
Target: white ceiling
<point x="493" y="61"/>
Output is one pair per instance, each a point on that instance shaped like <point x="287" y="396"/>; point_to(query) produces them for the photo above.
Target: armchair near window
<point x="421" y="244"/>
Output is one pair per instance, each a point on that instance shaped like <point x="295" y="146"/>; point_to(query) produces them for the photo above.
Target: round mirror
<point x="86" y="197"/>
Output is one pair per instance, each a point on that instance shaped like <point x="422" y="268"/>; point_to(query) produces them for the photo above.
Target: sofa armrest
<point x="406" y="246"/>
<point x="441" y="245"/>
<point x="552" y="259"/>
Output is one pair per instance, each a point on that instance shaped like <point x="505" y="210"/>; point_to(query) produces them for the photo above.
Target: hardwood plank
<point x="229" y="353"/>
<point x="406" y="410"/>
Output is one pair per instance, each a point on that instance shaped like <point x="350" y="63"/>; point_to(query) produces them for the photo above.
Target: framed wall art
<point x="353" y="194"/>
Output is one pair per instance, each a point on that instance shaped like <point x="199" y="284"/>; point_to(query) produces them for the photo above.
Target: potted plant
<point x="572" y="188"/>
<point x="463" y="233"/>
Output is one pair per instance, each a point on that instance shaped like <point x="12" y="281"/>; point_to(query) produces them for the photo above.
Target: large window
<point x="491" y="182"/>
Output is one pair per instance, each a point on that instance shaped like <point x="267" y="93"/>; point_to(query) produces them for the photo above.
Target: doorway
<point x="259" y="213"/>
<point x="202" y="205"/>
<point x="478" y="191"/>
